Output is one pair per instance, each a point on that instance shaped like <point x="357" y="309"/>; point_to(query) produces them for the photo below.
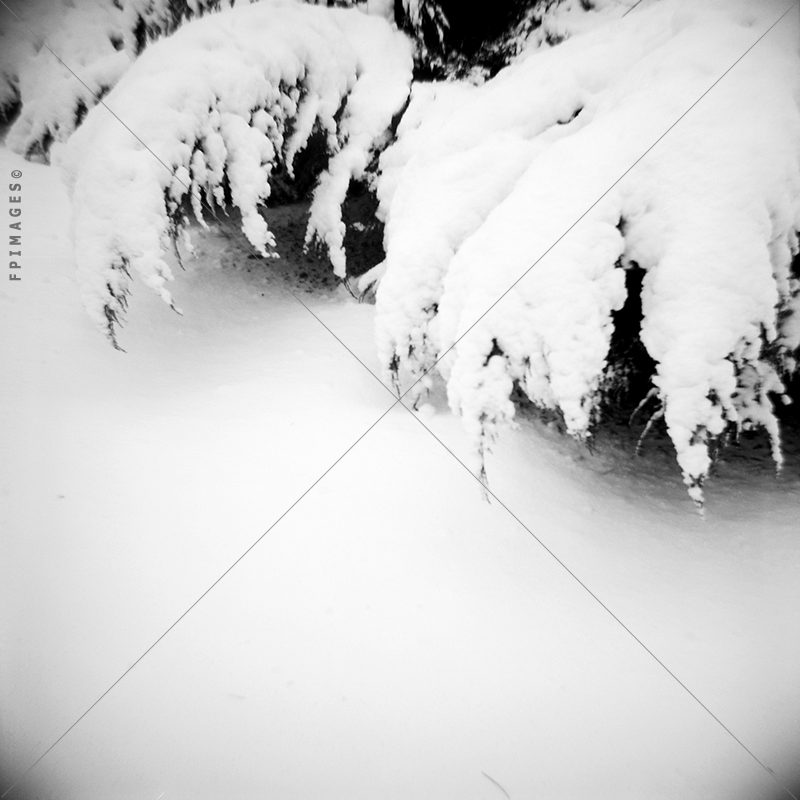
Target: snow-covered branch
<point x="37" y="42"/>
<point x="484" y="181"/>
<point x="208" y="113"/>
<point x="58" y="58"/>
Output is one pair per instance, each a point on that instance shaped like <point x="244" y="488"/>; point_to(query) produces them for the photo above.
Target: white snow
<point x="393" y="636"/>
<point x="56" y="58"/>
<point x="480" y="185"/>
<point x="384" y="75"/>
<point x="218" y="100"/>
<point x="60" y="57"/>
<point x="484" y="181"/>
<point x="368" y="626"/>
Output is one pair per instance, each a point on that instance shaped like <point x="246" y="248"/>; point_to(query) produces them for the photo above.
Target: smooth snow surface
<point x="394" y="635"/>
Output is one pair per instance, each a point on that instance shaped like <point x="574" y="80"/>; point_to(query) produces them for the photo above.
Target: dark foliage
<point x="455" y="38"/>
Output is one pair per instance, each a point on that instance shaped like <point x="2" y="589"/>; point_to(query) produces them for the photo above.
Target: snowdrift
<point x="203" y="118"/>
<point x="510" y="193"/>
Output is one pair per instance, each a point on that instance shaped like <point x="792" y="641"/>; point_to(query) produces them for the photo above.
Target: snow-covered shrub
<point x="208" y="113"/>
<point x="510" y="193"/>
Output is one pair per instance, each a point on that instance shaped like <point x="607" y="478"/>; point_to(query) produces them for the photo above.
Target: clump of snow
<point x="207" y="114"/>
<point x="382" y="87"/>
<point x="478" y="193"/>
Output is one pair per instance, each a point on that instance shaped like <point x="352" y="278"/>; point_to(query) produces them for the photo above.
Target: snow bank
<point x="207" y="114"/>
<point x="484" y="181"/>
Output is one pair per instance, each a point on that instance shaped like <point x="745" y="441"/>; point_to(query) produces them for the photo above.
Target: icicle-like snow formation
<point x="211" y="110"/>
<point x="483" y="183"/>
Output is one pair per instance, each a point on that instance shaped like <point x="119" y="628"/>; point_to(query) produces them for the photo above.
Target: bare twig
<point x="657" y="415"/>
<point x="496" y="784"/>
<point x="649" y="396"/>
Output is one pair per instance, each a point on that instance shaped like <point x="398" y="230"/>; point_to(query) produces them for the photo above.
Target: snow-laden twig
<point x="204" y="116"/>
